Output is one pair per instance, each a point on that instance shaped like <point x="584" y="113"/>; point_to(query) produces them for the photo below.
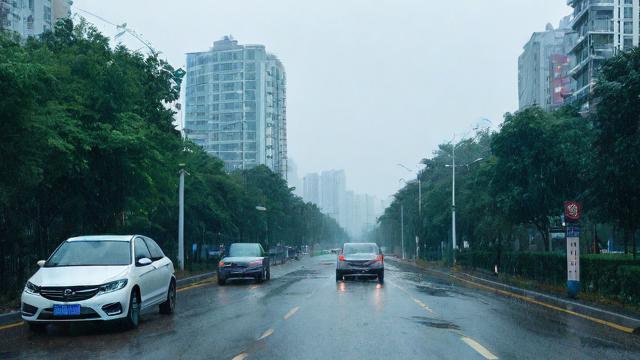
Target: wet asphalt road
<point x="302" y="313"/>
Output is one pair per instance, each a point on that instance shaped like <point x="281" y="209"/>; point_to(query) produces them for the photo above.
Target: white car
<point x="100" y="278"/>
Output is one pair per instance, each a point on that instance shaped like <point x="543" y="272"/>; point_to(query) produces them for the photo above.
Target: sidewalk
<point x="614" y="319"/>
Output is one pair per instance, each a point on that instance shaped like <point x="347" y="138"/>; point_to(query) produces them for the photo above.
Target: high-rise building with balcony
<point x="603" y="27"/>
<point x="32" y="17"/>
<point x="235" y="105"/>
<point x="543" y="68"/>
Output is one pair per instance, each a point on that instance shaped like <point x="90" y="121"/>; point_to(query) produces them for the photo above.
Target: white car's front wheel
<point x="133" y="315"/>
<point x="169" y="305"/>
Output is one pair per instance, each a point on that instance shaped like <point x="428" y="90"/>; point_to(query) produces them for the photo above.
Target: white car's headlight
<point x="112" y="286"/>
<point x="30" y="288"/>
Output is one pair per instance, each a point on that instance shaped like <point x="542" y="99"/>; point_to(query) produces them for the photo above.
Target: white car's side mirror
<point x="144" y="261"/>
<point x="41" y="263"/>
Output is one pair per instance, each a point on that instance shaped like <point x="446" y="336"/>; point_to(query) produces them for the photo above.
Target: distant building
<point x="236" y="105"/>
<point x="292" y="178"/>
<point x="355" y="213"/>
<point x="32" y="17"/>
<point x="311" y="189"/>
<point x="543" y="68"/>
<point x="333" y="186"/>
<point x="602" y="28"/>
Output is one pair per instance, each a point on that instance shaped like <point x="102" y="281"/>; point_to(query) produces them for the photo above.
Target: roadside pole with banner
<point x="572" y="212"/>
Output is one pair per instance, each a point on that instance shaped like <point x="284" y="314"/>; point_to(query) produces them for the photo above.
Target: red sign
<point x="572" y="210"/>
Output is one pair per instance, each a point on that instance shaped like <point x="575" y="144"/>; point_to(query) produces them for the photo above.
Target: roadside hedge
<point x="610" y="276"/>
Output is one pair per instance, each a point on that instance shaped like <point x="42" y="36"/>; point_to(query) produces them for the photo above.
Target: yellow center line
<point x="266" y="334"/>
<point x="553" y="307"/>
<point x="9" y="326"/>
<point x="291" y="312"/>
<point x="479" y="348"/>
<point x="196" y="285"/>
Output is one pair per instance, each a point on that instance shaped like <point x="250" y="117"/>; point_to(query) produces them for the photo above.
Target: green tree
<point x="616" y="120"/>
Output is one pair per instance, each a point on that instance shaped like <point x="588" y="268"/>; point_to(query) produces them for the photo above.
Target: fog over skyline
<point x="369" y="83"/>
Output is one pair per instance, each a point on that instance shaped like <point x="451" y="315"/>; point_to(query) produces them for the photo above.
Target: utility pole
<point x="402" y="228"/>
<point x="453" y="204"/>
<point x="181" y="219"/>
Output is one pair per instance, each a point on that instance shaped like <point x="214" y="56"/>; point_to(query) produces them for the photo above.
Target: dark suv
<point x="244" y="261"/>
<point x="360" y="259"/>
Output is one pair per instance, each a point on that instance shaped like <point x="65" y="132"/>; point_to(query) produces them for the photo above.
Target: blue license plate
<point x="66" y="310"/>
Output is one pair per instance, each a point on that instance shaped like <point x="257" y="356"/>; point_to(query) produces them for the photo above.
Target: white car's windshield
<point x="91" y="253"/>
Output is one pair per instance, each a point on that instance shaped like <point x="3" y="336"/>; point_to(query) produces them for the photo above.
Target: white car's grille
<point x="71" y="293"/>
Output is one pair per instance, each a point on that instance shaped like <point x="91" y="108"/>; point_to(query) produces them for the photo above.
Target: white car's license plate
<point x="66" y="309"/>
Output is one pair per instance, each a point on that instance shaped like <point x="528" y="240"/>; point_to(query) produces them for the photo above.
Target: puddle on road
<point x="434" y="323"/>
<point x="304" y="274"/>
<point x="596" y="343"/>
<point x="429" y="289"/>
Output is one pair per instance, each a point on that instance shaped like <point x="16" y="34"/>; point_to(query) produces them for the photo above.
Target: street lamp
<point x="419" y="203"/>
<point x="182" y="172"/>
<point x="402" y="222"/>
<point x="453" y="196"/>
<point x="266" y="237"/>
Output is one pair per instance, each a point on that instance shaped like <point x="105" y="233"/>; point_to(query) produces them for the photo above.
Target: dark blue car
<point x="245" y="260"/>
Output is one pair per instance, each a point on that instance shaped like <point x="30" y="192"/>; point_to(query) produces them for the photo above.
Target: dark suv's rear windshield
<point x="360" y="249"/>
<point x="91" y="253"/>
<point x="241" y="250"/>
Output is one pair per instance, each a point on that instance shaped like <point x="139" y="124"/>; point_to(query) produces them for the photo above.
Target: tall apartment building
<point x="32" y="17"/>
<point x="603" y="27"/>
<point x="543" y="68"/>
<point x="235" y="105"/>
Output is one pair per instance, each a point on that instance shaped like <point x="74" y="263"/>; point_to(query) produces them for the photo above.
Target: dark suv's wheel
<point x="169" y="305"/>
<point x="262" y="277"/>
<point x="381" y="276"/>
<point x="339" y="276"/>
<point x="133" y="315"/>
<point x="269" y="273"/>
<point x="221" y="281"/>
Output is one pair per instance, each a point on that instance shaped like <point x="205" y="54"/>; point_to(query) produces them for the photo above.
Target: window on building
<point x="628" y="27"/>
<point x="628" y="12"/>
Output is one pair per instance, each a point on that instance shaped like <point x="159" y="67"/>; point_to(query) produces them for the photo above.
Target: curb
<point x="591" y="311"/>
<point x="9" y="318"/>
<point x="194" y="279"/>
<point x="620" y="322"/>
<point x="14" y="316"/>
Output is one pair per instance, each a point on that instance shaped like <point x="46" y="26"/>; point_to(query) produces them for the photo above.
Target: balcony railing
<point x="604" y="25"/>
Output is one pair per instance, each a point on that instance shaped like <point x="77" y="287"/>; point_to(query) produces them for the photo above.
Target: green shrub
<point x="608" y="275"/>
<point x="629" y="284"/>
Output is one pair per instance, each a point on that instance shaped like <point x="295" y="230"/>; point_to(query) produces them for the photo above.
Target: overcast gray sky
<point x="370" y="83"/>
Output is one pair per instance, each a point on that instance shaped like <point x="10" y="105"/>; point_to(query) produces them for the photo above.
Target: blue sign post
<point x="572" y="212"/>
